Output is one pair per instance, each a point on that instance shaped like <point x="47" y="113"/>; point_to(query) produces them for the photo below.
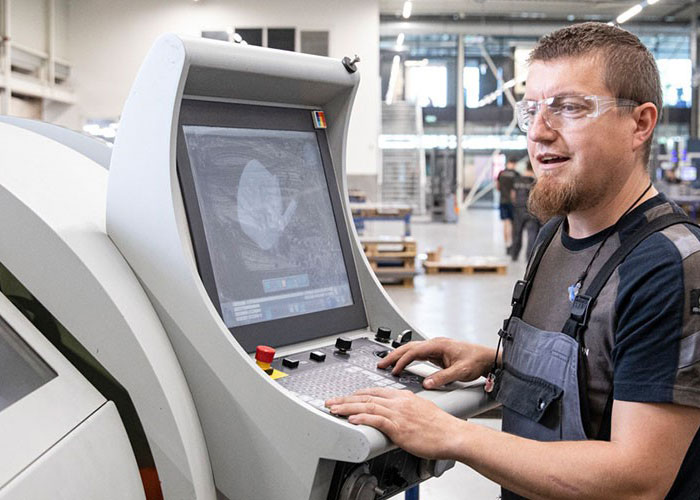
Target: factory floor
<point x="466" y="307"/>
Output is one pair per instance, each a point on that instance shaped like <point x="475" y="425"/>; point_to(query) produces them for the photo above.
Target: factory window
<point x="281" y="38"/>
<point x="472" y="76"/>
<point x="676" y="75"/>
<point x="252" y="36"/>
<point x="426" y="85"/>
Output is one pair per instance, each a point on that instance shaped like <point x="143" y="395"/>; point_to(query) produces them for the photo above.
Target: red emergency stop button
<point x="264" y="354"/>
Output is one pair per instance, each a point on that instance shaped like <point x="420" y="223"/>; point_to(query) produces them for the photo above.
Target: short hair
<point x="512" y="159"/>
<point x="629" y="68"/>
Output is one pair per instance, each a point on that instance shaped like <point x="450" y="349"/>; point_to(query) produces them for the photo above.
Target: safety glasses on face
<point x="566" y="111"/>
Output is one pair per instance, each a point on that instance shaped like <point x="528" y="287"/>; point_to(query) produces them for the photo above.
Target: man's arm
<point x="648" y="443"/>
<point x="647" y="446"/>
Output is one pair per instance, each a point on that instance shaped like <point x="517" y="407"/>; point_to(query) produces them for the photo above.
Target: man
<point x="504" y="184"/>
<point x="591" y="104"/>
<point x="523" y="220"/>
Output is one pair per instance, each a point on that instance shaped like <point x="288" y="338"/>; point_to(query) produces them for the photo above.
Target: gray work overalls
<point x="542" y="381"/>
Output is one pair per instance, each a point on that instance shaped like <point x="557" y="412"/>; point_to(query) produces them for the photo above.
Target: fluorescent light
<point x="651" y="2"/>
<point x="400" y="39"/>
<point x="407" y="7"/>
<point x="393" y="77"/>
<point x="629" y="13"/>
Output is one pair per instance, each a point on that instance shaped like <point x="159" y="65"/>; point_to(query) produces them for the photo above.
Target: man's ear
<point x="645" y="116"/>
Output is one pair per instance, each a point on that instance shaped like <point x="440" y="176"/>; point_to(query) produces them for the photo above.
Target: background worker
<point x="523" y="220"/>
<point x="504" y="184"/>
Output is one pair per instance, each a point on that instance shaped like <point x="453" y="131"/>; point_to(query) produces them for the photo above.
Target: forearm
<point x="567" y="469"/>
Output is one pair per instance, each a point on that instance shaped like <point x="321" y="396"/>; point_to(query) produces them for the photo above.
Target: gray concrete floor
<point x="467" y="307"/>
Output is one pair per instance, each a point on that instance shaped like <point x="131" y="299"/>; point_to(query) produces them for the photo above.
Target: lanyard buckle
<point x="579" y="309"/>
<point x="519" y="292"/>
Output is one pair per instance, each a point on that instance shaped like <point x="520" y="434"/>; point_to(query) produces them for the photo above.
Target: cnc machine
<point x="227" y="197"/>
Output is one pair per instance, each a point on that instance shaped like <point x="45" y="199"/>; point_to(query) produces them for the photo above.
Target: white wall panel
<point x="108" y="41"/>
<point x="62" y="32"/>
<point x="28" y="22"/>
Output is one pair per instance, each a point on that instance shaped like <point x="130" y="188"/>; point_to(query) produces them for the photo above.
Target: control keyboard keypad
<point x="341" y="374"/>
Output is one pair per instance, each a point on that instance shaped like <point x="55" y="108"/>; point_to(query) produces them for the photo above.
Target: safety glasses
<point x="567" y="111"/>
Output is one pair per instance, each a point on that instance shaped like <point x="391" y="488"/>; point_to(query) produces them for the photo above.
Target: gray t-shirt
<point x="643" y="337"/>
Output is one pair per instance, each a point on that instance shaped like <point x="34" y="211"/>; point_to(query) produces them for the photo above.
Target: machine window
<point x="22" y="371"/>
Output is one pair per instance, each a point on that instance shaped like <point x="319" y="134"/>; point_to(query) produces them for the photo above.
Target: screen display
<point x="268" y="222"/>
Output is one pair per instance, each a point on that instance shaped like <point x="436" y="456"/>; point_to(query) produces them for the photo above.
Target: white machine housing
<point x="60" y="438"/>
<point x="52" y="218"/>
<point x="263" y="441"/>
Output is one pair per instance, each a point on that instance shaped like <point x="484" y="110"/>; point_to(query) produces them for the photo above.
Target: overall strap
<point x="583" y="303"/>
<point x="521" y="291"/>
<point x="580" y="313"/>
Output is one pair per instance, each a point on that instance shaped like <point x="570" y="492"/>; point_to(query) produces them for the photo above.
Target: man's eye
<point x="570" y="107"/>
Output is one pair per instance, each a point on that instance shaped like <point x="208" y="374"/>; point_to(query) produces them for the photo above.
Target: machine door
<point x="58" y="434"/>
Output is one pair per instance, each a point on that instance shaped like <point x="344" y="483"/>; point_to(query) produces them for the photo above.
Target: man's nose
<point x="539" y="130"/>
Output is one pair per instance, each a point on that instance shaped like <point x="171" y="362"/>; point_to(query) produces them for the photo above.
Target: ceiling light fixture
<point x="407" y="8"/>
<point x="633" y="11"/>
<point x="629" y="13"/>
<point x="400" y="39"/>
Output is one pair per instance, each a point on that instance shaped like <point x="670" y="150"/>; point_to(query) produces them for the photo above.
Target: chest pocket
<point x="531" y="397"/>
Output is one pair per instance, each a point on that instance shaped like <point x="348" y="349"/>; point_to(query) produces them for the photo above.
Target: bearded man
<point x="599" y="375"/>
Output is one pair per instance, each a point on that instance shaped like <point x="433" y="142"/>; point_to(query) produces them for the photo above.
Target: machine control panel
<point x="340" y="370"/>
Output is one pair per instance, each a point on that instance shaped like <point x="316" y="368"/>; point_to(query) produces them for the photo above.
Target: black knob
<point x="351" y="64"/>
<point x="403" y="338"/>
<point x="383" y="335"/>
<point x="343" y="344"/>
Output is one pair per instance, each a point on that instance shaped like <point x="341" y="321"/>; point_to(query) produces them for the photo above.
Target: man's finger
<point x="391" y="358"/>
<point x="377" y="421"/>
<point x="362" y="395"/>
<point x="442" y="377"/>
<point x="372" y="407"/>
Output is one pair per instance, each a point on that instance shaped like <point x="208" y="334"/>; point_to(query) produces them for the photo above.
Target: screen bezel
<point x="283" y="331"/>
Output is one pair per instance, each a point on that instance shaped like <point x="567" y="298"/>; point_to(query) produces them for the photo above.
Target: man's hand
<point x="459" y="360"/>
<point x="413" y="423"/>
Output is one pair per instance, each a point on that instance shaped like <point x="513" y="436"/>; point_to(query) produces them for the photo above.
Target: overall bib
<point x="542" y="381"/>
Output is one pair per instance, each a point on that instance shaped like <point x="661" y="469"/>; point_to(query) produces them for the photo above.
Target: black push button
<point x="383" y="335"/>
<point x="381" y="354"/>
<point x="290" y="363"/>
<point x="317" y="356"/>
<point x="343" y="344"/>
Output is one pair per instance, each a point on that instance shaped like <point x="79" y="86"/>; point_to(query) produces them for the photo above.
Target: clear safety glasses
<point x="567" y="111"/>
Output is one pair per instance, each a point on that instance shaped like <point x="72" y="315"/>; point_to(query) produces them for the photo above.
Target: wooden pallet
<point x="404" y="282"/>
<point x="378" y="210"/>
<point x="389" y="247"/>
<point x="467" y="265"/>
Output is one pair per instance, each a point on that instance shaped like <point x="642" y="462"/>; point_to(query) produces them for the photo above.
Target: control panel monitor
<point x="266" y="221"/>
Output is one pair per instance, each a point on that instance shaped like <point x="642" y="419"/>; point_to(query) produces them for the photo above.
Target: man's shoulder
<point x="672" y="245"/>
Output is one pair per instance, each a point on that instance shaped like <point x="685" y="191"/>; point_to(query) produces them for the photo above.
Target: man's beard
<point x="552" y="196"/>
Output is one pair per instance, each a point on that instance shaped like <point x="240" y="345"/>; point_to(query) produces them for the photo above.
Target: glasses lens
<point x="565" y="111"/>
<point x="525" y="112"/>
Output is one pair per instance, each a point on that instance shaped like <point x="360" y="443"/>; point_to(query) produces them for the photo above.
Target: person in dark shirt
<point x="523" y="220"/>
<point x="599" y="375"/>
<point x="504" y="184"/>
